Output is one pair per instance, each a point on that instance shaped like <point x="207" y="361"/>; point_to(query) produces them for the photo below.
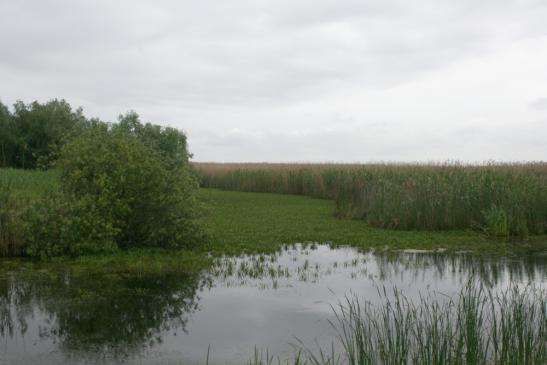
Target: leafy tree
<point x="7" y="139"/>
<point x="169" y="142"/>
<point x="39" y="131"/>
<point x="134" y="191"/>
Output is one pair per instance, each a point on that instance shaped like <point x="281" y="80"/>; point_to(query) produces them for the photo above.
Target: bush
<point x="116" y="191"/>
<point x="59" y="226"/>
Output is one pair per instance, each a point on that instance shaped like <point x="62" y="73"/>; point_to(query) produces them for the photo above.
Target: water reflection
<point x="310" y="263"/>
<point x="82" y="316"/>
<point x="77" y="317"/>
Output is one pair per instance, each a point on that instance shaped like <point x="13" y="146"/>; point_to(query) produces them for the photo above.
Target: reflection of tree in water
<point x="97" y="315"/>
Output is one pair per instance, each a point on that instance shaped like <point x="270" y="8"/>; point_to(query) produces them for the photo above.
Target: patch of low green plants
<point x="240" y="222"/>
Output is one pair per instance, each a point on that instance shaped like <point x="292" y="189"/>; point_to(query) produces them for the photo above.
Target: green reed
<point x="501" y="199"/>
<point x="477" y="327"/>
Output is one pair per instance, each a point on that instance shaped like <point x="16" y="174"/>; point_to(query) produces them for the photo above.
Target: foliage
<point x="478" y="327"/>
<point x="239" y="222"/>
<point x="123" y="184"/>
<point x="57" y="225"/>
<point x="496" y="221"/>
<point x="18" y="189"/>
<point x="32" y="136"/>
<point x="115" y="191"/>
<point x="407" y="196"/>
<point x="10" y="230"/>
<point x="7" y="138"/>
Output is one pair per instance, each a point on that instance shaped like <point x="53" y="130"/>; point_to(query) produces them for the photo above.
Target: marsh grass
<point x="476" y="327"/>
<point x="501" y="199"/>
<point x="10" y="231"/>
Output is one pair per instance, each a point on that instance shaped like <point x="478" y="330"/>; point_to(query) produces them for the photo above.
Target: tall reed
<point x="11" y="242"/>
<point x="503" y="199"/>
<point x="478" y="327"/>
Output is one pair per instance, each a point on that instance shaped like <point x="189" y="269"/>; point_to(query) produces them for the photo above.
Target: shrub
<point x="58" y="226"/>
<point x="115" y="191"/>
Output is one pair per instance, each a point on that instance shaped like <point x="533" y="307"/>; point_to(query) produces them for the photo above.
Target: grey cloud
<point x="540" y="104"/>
<point x="236" y="52"/>
<point x="223" y="68"/>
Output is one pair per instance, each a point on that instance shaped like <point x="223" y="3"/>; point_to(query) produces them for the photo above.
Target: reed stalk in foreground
<point x="477" y="327"/>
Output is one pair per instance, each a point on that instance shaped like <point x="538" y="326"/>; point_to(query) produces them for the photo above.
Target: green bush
<point x="116" y="191"/>
<point x="58" y="226"/>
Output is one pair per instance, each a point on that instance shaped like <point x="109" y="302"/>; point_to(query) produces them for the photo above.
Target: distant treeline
<point x="501" y="199"/>
<point x="33" y="134"/>
<point x="114" y="185"/>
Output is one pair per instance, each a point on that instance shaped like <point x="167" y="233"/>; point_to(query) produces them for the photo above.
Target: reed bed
<point x="478" y="327"/>
<point x="503" y="199"/>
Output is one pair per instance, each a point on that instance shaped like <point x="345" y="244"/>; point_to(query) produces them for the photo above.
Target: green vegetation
<point x="32" y="136"/>
<point x="477" y="327"/>
<point x="130" y="184"/>
<point x="239" y="222"/>
<point x="115" y="192"/>
<point x="499" y="199"/>
<point x="18" y="190"/>
<point x="119" y="185"/>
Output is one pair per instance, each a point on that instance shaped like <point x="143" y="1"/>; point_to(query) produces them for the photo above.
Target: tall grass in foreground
<point x="18" y="189"/>
<point x="501" y="199"/>
<point x="477" y="327"/>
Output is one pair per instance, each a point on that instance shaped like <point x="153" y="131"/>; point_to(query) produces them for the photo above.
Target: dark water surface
<point x="263" y="301"/>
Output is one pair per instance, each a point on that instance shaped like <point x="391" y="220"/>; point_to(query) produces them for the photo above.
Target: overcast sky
<point x="289" y="80"/>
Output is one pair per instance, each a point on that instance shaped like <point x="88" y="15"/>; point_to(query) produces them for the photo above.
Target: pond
<point x="271" y="302"/>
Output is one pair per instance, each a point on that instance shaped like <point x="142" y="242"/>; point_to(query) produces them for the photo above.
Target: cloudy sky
<point x="289" y="80"/>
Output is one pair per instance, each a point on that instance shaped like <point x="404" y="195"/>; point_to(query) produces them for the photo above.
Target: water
<point x="264" y="301"/>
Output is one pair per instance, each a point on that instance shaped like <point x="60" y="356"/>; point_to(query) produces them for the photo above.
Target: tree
<point x="39" y="131"/>
<point x="7" y="140"/>
<point x="135" y="192"/>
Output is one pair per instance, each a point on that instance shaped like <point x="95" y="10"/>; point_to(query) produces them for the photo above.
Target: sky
<point x="295" y="81"/>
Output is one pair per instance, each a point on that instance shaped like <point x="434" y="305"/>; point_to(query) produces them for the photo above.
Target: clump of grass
<point x="478" y="327"/>
<point x="502" y="199"/>
<point x="11" y="243"/>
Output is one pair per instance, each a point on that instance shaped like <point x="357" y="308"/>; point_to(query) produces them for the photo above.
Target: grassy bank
<point x="499" y="199"/>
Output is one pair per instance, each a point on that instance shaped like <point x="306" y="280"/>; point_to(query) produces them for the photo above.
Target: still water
<point x="240" y="304"/>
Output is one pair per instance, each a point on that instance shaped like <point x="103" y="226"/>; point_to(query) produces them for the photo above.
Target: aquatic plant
<point x="478" y="327"/>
